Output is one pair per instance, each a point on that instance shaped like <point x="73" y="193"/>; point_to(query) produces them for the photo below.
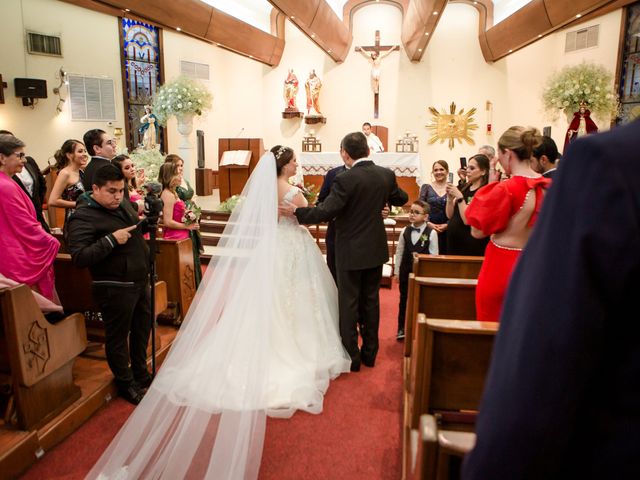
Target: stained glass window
<point x="630" y="72"/>
<point x="141" y="60"/>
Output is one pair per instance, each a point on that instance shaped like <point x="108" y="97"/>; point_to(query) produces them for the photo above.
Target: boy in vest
<point x="414" y="238"/>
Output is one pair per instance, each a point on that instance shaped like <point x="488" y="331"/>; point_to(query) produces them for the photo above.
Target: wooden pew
<point x="174" y="266"/>
<point x="448" y="266"/>
<point x="73" y="285"/>
<point x="450" y="362"/>
<point x="437" y="297"/>
<point x="38" y="356"/>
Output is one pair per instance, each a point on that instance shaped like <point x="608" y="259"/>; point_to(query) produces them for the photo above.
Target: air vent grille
<point x="581" y="39"/>
<point x="40" y="44"/>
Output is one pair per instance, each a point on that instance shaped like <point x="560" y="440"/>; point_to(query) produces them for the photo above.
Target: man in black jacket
<point x="357" y="197"/>
<point x="102" y="235"/>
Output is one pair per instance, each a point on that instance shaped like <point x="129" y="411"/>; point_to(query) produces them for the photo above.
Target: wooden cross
<point x="375" y="53"/>
<point x="3" y="85"/>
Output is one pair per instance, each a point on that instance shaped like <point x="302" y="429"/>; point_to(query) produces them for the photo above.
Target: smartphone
<point x="450" y="177"/>
<point x="463" y="162"/>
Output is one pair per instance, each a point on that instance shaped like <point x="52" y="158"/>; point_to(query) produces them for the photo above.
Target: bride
<point x="261" y="338"/>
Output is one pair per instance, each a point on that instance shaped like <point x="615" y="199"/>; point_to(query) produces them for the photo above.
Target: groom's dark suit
<point x="357" y="198"/>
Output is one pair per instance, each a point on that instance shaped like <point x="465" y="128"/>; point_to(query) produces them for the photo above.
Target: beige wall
<point x="248" y="95"/>
<point x="90" y="46"/>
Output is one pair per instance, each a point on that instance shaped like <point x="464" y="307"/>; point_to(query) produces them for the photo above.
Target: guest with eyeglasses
<point x="71" y="159"/>
<point x="32" y="181"/>
<point x="28" y="251"/>
<point x="102" y="148"/>
<point x="418" y="237"/>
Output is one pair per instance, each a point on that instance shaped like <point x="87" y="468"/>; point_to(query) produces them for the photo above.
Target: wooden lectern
<point x="232" y="178"/>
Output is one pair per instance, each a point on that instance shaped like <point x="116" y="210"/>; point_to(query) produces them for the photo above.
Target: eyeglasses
<point x="111" y="142"/>
<point x="20" y="155"/>
<point x="417" y="212"/>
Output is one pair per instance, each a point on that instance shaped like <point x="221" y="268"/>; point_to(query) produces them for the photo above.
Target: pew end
<point x="38" y="356"/>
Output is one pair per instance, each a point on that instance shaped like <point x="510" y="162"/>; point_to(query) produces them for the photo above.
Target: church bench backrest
<point x="438" y="297"/>
<point x="174" y="266"/>
<point x="39" y="356"/>
<point x="450" y="361"/>
<point x="449" y="266"/>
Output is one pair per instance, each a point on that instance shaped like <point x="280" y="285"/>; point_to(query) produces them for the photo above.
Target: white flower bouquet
<point x="181" y="96"/>
<point x="589" y="83"/>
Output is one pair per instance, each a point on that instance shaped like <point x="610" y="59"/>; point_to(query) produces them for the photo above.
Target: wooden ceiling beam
<point x="420" y="21"/>
<point x="199" y="20"/>
<point x="540" y="18"/>
<point x="320" y="23"/>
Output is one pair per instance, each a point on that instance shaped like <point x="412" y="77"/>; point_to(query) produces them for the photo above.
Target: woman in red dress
<point x="506" y="211"/>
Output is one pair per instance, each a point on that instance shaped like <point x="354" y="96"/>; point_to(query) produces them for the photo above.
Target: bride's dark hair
<point x="283" y="155"/>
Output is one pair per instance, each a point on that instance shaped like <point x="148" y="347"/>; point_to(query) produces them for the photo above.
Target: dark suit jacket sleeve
<point x="329" y="209"/>
<point x="556" y="345"/>
<point x="397" y="197"/>
<point x="326" y="185"/>
<point x="42" y="183"/>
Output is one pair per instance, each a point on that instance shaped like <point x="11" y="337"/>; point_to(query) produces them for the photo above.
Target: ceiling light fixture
<point x="435" y="13"/>
<point x="578" y="15"/>
<point x="178" y="29"/>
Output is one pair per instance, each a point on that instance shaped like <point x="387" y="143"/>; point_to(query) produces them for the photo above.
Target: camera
<point x="152" y="203"/>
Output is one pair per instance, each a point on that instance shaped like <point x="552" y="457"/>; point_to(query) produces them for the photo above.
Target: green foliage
<point x="229" y="204"/>
<point x="180" y="96"/>
<point x="586" y="82"/>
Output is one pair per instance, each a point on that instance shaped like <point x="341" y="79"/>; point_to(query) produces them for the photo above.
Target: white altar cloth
<point x="402" y="164"/>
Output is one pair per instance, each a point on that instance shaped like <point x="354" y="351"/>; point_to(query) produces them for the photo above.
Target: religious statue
<point x="291" y="91"/>
<point x="149" y="129"/>
<point x="580" y="125"/>
<point x="375" y="58"/>
<point x="312" y="87"/>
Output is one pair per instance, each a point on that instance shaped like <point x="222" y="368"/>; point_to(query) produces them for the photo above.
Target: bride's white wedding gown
<point x="304" y="349"/>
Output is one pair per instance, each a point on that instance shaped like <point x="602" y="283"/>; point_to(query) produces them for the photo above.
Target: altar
<point x="406" y="166"/>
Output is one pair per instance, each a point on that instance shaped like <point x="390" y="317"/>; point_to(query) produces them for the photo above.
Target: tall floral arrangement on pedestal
<point x="586" y="82"/>
<point x="181" y="96"/>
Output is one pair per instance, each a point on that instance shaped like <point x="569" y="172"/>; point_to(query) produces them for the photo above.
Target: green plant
<point x="229" y="204"/>
<point x="180" y="96"/>
<point x="586" y="82"/>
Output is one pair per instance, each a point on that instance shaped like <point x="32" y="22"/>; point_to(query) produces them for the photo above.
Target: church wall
<point x="90" y="46"/>
<point x="248" y="96"/>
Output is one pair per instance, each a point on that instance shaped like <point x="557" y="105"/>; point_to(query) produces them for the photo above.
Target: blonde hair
<point x="521" y="141"/>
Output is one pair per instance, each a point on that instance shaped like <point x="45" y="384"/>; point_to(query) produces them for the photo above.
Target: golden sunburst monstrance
<point x="452" y="126"/>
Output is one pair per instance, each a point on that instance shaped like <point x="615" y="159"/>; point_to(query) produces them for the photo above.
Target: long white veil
<point x="204" y="415"/>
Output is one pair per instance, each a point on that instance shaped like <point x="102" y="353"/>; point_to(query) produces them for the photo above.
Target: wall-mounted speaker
<point x="30" y="88"/>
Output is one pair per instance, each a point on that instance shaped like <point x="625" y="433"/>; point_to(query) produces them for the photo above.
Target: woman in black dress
<point x="459" y="239"/>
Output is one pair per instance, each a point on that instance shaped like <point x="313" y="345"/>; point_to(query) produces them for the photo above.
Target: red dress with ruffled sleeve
<point x="490" y="211"/>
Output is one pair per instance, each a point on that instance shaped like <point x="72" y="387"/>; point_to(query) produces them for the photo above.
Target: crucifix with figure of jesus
<point x="375" y="53"/>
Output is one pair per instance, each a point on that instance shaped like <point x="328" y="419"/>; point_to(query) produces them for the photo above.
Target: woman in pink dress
<point x="506" y="211"/>
<point x="177" y="222"/>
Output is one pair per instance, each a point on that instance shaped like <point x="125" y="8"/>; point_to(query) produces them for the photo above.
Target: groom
<point x="357" y="197"/>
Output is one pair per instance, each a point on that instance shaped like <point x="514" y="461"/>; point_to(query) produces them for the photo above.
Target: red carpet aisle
<point x="357" y="436"/>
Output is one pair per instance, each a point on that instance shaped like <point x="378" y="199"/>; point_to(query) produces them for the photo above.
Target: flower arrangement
<point x="585" y="82"/>
<point x="394" y="211"/>
<point x="180" y="96"/>
<point x="230" y="204"/>
<point x="147" y="163"/>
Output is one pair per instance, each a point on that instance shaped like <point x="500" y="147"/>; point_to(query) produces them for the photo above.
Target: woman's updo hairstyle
<point x="442" y="163"/>
<point x="521" y="141"/>
<point x="69" y="146"/>
<point x="283" y="155"/>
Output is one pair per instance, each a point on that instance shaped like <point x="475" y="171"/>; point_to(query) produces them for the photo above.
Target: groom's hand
<point x="286" y="209"/>
<point x="385" y="212"/>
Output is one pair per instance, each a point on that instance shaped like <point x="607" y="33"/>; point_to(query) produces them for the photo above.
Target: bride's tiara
<point x="280" y="151"/>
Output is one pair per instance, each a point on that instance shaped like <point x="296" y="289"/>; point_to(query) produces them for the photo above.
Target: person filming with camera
<point x="104" y="235"/>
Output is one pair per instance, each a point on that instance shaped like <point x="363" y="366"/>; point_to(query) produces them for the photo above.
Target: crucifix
<point x="3" y="85"/>
<point x="375" y="53"/>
